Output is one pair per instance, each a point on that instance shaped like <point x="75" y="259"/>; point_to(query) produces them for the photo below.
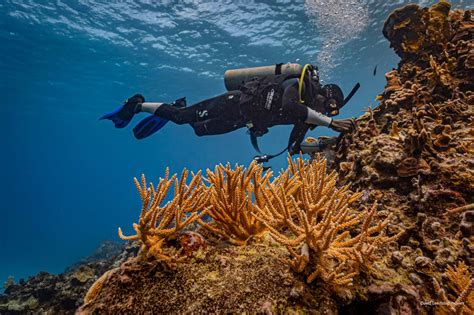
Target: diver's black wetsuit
<point x="226" y="113"/>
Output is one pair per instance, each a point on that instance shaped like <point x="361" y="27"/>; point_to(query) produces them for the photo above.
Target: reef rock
<point x="225" y="279"/>
<point x="420" y="163"/>
<point x="63" y="293"/>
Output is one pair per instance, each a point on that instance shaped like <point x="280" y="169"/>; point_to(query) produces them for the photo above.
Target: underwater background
<point x="67" y="178"/>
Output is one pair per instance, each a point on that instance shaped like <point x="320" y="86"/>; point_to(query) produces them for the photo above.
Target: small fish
<point x="375" y="70"/>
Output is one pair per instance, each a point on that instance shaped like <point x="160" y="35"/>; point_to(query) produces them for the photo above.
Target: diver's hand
<point x="343" y="125"/>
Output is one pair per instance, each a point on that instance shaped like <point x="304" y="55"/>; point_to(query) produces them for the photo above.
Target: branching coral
<point x="320" y="226"/>
<point x="461" y="283"/>
<point x="234" y="195"/>
<point x="277" y="197"/>
<point x="317" y="187"/>
<point x="97" y="286"/>
<point x="158" y="223"/>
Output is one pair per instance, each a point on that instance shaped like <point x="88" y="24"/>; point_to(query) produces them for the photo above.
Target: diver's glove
<point x="343" y="125"/>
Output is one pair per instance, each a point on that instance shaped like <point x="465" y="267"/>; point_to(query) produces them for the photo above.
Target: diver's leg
<point x="177" y="115"/>
<point x="222" y="117"/>
<point x="216" y="126"/>
<point x="225" y="105"/>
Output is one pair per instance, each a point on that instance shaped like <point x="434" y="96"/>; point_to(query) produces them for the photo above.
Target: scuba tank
<point x="235" y="78"/>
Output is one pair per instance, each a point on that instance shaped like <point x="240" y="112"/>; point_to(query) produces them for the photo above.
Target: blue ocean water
<point x="67" y="177"/>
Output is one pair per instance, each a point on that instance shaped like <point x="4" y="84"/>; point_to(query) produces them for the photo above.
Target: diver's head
<point x="334" y="99"/>
<point x="314" y="72"/>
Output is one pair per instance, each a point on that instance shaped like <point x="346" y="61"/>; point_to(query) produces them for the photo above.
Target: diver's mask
<point x="334" y="99"/>
<point x="331" y="108"/>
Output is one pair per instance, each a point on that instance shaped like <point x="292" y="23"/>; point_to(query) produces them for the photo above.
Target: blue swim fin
<point x="122" y="115"/>
<point x="148" y="126"/>
<point x="151" y="124"/>
<point x="118" y="122"/>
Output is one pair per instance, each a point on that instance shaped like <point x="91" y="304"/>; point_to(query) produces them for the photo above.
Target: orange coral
<point x="158" y="223"/>
<point x="346" y="166"/>
<point x="461" y="283"/>
<point x="97" y="286"/>
<point x="319" y="220"/>
<point x="411" y="29"/>
<point x="231" y="205"/>
<point x="394" y="131"/>
<point x="393" y="82"/>
<point x="440" y="73"/>
<point x="437" y="25"/>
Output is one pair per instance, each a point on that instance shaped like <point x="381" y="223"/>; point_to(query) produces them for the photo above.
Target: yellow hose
<point x="300" y="88"/>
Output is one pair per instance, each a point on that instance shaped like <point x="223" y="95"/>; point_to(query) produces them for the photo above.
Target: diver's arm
<point x="296" y="137"/>
<point x="302" y="113"/>
<point x="299" y="112"/>
<point x="339" y="125"/>
<point x="316" y="118"/>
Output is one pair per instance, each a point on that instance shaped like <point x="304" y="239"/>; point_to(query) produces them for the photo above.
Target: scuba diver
<point x="292" y="95"/>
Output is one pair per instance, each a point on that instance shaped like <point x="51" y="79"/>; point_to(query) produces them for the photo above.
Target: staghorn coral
<point x="320" y="221"/>
<point x="316" y="186"/>
<point x="230" y="204"/>
<point x="462" y="284"/>
<point x="461" y="209"/>
<point x="459" y="282"/>
<point x="158" y="223"/>
<point x="277" y="197"/>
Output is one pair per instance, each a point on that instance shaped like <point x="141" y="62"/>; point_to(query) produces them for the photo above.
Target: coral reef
<point x="62" y="293"/>
<point x="234" y="195"/>
<point x="226" y="279"/>
<point x="420" y="164"/>
<point x="301" y="207"/>
<point x="158" y="223"/>
<point x="320" y="223"/>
